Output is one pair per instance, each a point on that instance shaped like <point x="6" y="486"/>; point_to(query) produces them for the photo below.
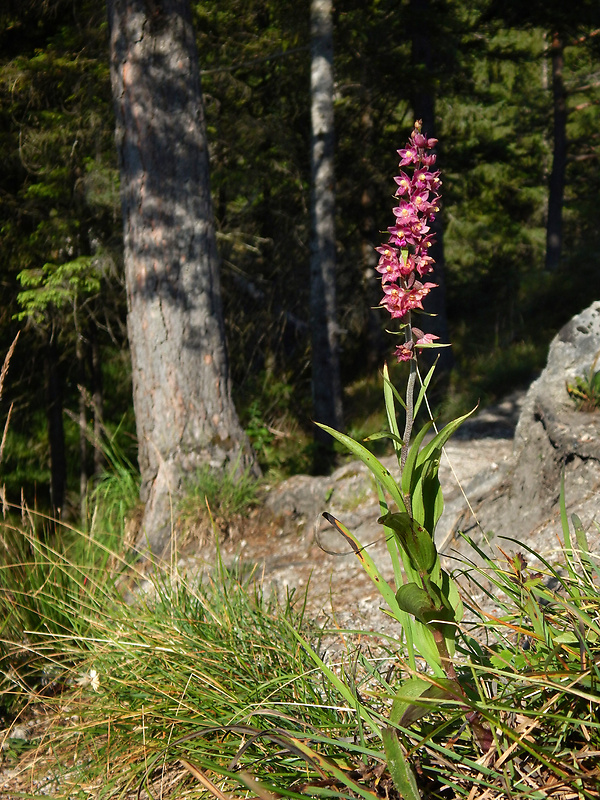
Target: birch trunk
<point x="423" y="103"/>
<point x="556" y="189"/>
<point x="326" y="383"/>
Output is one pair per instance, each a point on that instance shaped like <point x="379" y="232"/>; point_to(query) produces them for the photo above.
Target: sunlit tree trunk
<point x="423" y="103"/>
<point x="184" y="413"/>
<point x="556" y="189"/>
<point x="326" y="384"/>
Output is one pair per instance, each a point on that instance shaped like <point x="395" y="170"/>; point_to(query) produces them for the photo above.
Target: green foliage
<point x="223" y="494"/>
<point x="113" y="498"/>
<point x="281" y="444"/>
<point x="56" y="286"/>
<point x="218" y="677"/>
<point x="59" y="227"/>
<point x="424" y="591"/>
<point x="585" y="390"/>
<point x="59" y="195"/>
<point x="51" y="589"/>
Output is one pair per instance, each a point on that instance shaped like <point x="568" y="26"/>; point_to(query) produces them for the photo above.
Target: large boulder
<point x="553" y="438"/>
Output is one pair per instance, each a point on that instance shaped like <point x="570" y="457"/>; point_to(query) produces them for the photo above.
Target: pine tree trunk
<point x="56" y="431"/>
<point x="326" y="383"/>
<point x="423" y="103"/>
<point x="83" y="432"/>
<point x="184" y="413"/>
<point x="556" y="188"/>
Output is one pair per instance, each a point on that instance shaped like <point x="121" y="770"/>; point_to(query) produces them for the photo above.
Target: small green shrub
<point x="585" y="390"/>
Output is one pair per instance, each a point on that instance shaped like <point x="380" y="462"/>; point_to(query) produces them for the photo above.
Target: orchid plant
<point x="425" y="601"/>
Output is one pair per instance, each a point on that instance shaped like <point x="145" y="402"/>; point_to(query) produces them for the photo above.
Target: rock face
<point x="551" y="436"/>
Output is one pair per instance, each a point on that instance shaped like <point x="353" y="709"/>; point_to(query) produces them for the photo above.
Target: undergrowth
<point x="217" y="687"/>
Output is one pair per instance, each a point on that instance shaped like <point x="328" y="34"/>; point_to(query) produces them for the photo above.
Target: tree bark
<point x="181" y="388"/>
<point x="96" y="390"/>
<point x="56" y="430"/>
<point x="326" y="383"/>
<point x="423" y="103"/>
<point x="83" y="432"/>
<point x="556" y="189"/>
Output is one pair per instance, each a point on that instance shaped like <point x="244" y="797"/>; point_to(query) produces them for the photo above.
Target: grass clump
<point x="171" y="685"/>
<point x="218" y="688"/>
<point x="584" y="390"/>
<point x="216" y="498"/>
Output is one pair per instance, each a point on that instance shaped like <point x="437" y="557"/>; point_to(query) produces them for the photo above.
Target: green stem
<point x="410" y="388"/>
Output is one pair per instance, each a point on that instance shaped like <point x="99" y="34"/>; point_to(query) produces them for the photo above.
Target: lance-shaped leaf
<point x="440" y="439"/>
<point x="411" y="460"/>
<point x="367" y="562"/>
<point x="417" y="601"/>
<point x="400" y="769"/>
<point x="416" y="632"/>
<point x="381" y="473"/>
<point x="418" y="696"/>
<point x="390" y="410"/>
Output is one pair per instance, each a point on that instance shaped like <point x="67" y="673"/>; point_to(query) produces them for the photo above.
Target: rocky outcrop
<point x="553" y="438"/>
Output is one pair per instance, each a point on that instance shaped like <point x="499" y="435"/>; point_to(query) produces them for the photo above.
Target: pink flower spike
<point x="405" y="260"/>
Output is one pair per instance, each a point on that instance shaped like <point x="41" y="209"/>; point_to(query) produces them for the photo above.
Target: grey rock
<point x="572" y="352"/>
<point x="551" y="439"/>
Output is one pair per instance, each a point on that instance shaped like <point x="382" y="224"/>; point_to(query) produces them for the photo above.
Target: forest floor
<point x="287" y="546"/>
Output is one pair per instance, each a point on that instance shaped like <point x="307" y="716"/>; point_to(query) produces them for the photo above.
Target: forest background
<point x="517" y="113"/>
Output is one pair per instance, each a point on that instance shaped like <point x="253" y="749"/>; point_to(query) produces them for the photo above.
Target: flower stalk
<point x="425" y="601"/>
<point x="405" y="260"/>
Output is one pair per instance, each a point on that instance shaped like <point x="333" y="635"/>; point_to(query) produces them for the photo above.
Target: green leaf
<point x="442" y="437"/>
<point x="381" y="473"/>
<point x="384" y="435"/>
<point x="415" y="540"/>
<point x="411" y="460"/>
<point x="387" y="383"/>
<point x="416" y="601"/>
<point x="427" y="499"/>
<point x="400" y="769"/>
<point x="416" y="697"/>
<point x="423" y="389"/>
<point x="583" y="547"/>
<point x="416" y="632"/>
<point x="390" y="410"/>
<point x="409" y="692"/>
<point x="367" y="563"/>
